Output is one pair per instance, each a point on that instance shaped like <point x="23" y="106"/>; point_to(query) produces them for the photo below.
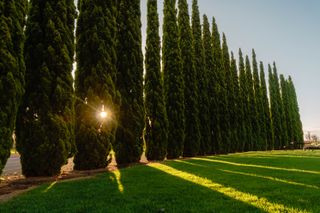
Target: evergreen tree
<point x="192" y="129"/>
<point x="250" y="115"/>
<point x="288" y="111"/>
<point x="285" y="111"/>
<point x="156" y="135"/>
<point x="214" y="67"/>
<point x="275" y="100"/>
<point x="45" y="119"/>
<point x="257" y="121"/>
<point x="201" y="76"/>
<point x="129" y="144"/>
<point x="173" y="80"/>
<point x="234" y="101"/>
<point x="243" y="137"/>
<point x="266" y="125"/>
<point x="297" y="130"/>
<point x="226" y="97"/>
<point x="12" y="69"/>
<point x="95" y="89"/>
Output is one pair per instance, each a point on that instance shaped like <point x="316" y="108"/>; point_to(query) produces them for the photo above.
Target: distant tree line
<point x="193" y="99"/>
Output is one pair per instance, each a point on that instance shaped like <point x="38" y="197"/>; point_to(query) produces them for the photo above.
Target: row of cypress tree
<point x="212" y="104"/>
<point x="195" y="103"/>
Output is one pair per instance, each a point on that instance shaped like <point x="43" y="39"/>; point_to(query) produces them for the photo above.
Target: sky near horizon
<point x="284" y="31"/>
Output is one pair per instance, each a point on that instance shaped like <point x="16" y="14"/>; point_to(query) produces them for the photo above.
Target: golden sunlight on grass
<point x="189" y="163"/>
<point x="117" y="175"/>
<point x="271" y="178"/>
<point x="261" y="203"/>
<point x="50" y="186"/>
<point x="257" y="166"/>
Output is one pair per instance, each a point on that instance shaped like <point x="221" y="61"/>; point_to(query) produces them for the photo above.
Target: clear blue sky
<point x="285" y="31"/>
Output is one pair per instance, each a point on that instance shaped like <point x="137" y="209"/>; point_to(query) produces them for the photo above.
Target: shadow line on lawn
<point x="258" y="202"/>
<point x="257" y="166"/>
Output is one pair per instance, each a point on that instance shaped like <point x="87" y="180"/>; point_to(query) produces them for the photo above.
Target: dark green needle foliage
<point x="12" y="70"/>
<point x="45" y="136"/>
<point x="250" y="115"/>
<point x="156" y="135"/>
<point x="243" y="104"/>
<point x="202" y="82"/>
<point x="129" y="141"/>
<point x="276" y="105"/>
<point x="173" y="80"/>
<point x="266" y="125"/>
<point x="95" y="89"/>
<point x="297" y="131"/>
<point x="285" y="111"/>
<point x="257" y="118"/>
<point x="235" y="111"/>
<point x="213" y="62"/>
<point x="226" y="97"/>
<point x="192" y="129"/>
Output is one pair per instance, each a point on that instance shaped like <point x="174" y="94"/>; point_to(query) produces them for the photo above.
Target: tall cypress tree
<point x="284" y="134"/>
<point x="44" y="124"/>
<point x="12" y="69"/>
<point x="129" y="144"/>
<point x="95" y="89"/>
<point x="226" y="97"/>
<point x="258" y="111"/>
<point x="285" y="112"/>
<point x="173" y="79"/>
<point x="275" y="100"/>
<point x="243" y="137"/>
<point x="215" y="86"/>
<point x="234" y="101"/>
<point x="266" y="125"/>
<point x="201" y="73"/>
<point x="288" y="108"/>
<point x="192" y="129"/>
<point x="250" y="116"/>
<point x="297" y="130"/>
<point x="156" y="135"/>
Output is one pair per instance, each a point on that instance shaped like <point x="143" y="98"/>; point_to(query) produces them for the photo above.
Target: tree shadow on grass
<point x="298" y="162"/>
<point x="291" y="196"/>
<point x="143" y="189"/>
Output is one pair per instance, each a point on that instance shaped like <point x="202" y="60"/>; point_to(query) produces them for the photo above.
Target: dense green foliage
<point x="202" y="82"/>
<point x="95" y="89"/>
<point x="276" y="108"/>
<point x="156" y="135"/>
<point x="235" y="110"/>
<point x="266" y="124"/>
<point x="291" y="115"/>
<point x="229" y="183"/>
<point x="296" y="126"/>
<point x="226" y="93"/>
<point x="207" y="95"/>
<point x="257" y="114"/>
<point x="173" y="80"/>
<point x="192" y="126"/>
<point x="129" y="137"/>
<point x="12" y="70"/>
<point x="45" y="121"/>
<point x="221" y="129"/>
<point x="250" y="107"/>
<point x="243" y="105"/>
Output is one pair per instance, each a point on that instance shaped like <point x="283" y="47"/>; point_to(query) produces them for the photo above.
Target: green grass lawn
<point x="279" y="181"/>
